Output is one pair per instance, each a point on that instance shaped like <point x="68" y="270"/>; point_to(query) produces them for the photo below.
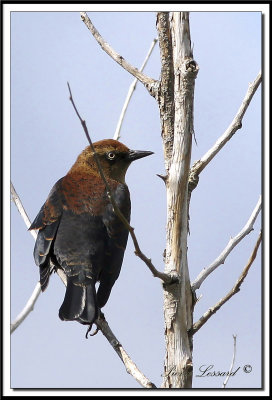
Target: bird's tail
<point x="79" y="303"/>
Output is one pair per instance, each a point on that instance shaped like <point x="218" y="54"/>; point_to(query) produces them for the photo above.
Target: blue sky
<point x="47" y="50"/>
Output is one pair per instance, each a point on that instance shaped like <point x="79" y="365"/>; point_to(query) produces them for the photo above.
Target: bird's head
<point x="114" y="158"/>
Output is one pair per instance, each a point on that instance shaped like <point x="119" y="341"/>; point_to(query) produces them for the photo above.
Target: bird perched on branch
<point x="79" y="231"/>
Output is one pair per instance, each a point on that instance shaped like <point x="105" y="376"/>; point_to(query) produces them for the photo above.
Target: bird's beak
<point x="136" y="154"/>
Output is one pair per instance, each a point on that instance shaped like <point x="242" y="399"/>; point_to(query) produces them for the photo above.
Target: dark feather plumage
<point x="79" y="232"/>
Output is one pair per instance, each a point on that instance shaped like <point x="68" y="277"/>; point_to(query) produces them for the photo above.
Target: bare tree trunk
<point x="175" y="95"/>
<point x="176" y="98"/>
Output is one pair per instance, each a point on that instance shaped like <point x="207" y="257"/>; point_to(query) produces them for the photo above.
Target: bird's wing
<point x="117" y="241"/>
<point x="47" y="222"/>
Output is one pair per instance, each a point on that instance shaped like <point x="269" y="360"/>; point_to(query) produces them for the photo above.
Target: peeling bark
<point x="166" y="87"/>
<point x="176" y="98"/>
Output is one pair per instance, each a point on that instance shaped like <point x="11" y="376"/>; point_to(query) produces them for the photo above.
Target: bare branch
<point x="236" y="124"/>
<point x="149" y="83"/>
<point x="231" y="293"/>
<point x="131" y="89"/>
<point x="131" y="367"/>
<point x="27" y="308"/>
<point x="230" y="246"/>
<point x="164" y="277"/>
<point x="232" y="361"/>
<point x="21" y="209"/>
<point x="37" y="291"/>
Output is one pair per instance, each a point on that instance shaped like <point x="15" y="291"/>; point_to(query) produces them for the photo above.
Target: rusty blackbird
<point x="79" y="232"/>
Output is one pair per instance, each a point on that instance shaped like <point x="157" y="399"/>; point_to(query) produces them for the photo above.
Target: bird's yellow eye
<point x="111" y="155"/>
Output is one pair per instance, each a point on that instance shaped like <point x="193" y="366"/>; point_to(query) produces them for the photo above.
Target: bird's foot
<point x="91" y="334"/>
<point x="100" y="316"/>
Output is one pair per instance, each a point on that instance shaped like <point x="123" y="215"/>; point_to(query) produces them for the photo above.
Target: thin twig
<point x="131" y="367"/>
<point x="232" y="361"/>
<point x="37" y="291"/>
<point x="131" y="89"/>
<point x="149" y="83"/>
<point x="21" y="209"/>
<point x="164" y="277"/>
<point x="230" y="246"/>
<point x="232" y="292"/>
<point x="236" y="124"/>
<point x="27" y="308"/>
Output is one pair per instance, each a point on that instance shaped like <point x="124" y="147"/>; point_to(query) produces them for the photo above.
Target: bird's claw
<point x="91" y="334"/>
